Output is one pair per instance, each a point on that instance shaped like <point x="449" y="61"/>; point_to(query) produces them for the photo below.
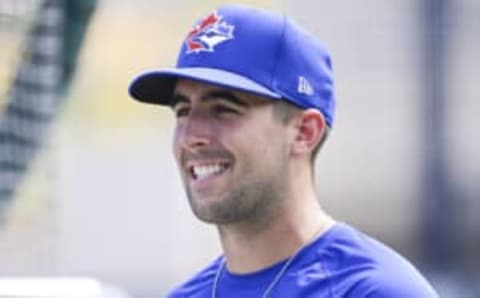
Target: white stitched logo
<point x="304" y="86"/>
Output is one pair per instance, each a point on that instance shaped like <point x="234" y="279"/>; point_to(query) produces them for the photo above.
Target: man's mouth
<point x="206" y="170"/>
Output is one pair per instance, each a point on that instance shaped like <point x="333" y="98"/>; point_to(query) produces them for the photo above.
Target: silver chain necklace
<point x="275" y="280"/>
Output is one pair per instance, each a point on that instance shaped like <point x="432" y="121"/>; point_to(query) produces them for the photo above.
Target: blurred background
<point x="88" y="186"/>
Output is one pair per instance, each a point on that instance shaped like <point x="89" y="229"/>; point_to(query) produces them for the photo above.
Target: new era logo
<point x="304" y="86"/>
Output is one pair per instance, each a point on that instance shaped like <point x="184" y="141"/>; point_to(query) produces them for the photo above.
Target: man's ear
<point x="310" y="126"/>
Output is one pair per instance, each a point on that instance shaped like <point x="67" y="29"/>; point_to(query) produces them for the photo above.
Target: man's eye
<point x="225" y="110"/>
<point x="182" y="112"/>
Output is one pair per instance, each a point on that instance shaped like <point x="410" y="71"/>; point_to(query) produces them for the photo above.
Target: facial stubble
<point x="254" y="198"/>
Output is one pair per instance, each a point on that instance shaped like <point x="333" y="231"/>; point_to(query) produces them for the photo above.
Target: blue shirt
<point x="343" y="262"/>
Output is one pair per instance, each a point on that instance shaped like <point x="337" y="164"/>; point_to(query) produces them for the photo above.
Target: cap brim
<point x="157" y="86"/>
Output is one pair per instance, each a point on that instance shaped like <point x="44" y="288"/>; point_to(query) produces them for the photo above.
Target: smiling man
<point x="226" y="178"/>
<point x="253" y="98"/>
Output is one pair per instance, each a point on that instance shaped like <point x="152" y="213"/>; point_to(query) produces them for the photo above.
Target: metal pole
<point x="438" y="213"/>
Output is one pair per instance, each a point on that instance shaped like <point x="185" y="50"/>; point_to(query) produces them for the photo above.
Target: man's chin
<point x="204" y="208"/>
<point x="208" y="217"/>
<point x="218" y="214"/>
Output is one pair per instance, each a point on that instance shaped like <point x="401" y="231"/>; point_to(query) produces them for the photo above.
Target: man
<point x="253" y="98"/>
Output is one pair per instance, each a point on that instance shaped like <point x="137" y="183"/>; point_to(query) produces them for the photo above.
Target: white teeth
<point x="201" y="172"/>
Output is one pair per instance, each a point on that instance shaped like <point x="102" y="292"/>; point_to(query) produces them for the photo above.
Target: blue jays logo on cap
<point x="208" y="33"/>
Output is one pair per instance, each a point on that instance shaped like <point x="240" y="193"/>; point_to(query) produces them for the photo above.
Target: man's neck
<point x="249" y="247"/>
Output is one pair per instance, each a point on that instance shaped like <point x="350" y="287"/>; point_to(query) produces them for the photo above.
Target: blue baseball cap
<point x="251" y="50"/>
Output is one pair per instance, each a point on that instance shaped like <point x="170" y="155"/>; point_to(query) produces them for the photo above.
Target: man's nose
<point x="198" y="130"/>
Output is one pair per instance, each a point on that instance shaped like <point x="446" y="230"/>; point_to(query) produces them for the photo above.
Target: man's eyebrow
<point x="212" y="95"/>
<point x="225" y="95"/>
<point x="178" y="98"/>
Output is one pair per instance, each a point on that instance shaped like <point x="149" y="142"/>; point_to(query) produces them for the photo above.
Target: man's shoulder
<point x="348" y="247"/>
<point x="358" y="265"/>
<point x="198" y="286"/>
<point x="384" y="284"/>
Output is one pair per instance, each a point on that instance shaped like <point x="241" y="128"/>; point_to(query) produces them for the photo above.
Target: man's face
<point x="232" y="154"/>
